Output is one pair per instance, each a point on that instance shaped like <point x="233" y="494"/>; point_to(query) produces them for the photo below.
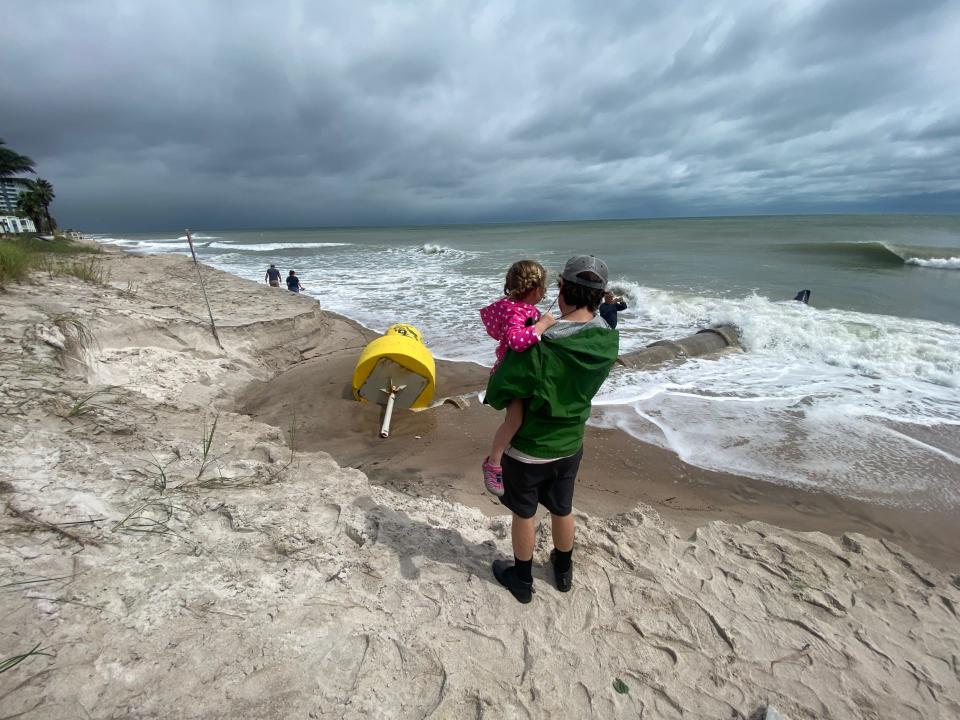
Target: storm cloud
<point x="149" y="115"/>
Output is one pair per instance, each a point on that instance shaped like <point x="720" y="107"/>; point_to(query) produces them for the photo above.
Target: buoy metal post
<point x="391" y="392"/>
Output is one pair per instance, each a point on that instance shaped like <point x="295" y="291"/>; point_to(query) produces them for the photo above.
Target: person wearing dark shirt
<point x="273" y="276"/>
<point x="293" y="282"/>
<point x="610" y="307"/>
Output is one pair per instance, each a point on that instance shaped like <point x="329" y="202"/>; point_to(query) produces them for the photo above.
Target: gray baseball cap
<point x="585" y="263"/>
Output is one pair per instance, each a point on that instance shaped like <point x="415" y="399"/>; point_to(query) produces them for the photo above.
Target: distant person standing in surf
<point x="293" y="282"/>
<point x="273" y="276"/>
<point x="609" y="308"/>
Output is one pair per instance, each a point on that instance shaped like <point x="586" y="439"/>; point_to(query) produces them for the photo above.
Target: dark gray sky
<point x="159" y="115"/>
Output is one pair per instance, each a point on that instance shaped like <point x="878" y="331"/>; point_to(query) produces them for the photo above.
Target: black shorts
<point x="525" y="485"/>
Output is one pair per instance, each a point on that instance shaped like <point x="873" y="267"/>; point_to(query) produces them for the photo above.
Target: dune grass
<point x="14" y="660"/>
<point x="90" y="270"/>
<point x="24" y="253"/>
<point x="78" y="336"/>
<point x="15" y="263"/>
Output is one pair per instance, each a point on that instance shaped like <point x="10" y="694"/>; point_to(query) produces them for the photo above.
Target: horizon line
<point x="555" y="222"/>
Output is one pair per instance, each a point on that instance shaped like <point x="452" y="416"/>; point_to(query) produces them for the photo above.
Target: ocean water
<point x="856" y="394"/>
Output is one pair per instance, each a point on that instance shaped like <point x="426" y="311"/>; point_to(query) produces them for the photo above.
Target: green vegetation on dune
<point x="15" y="262"/>
<point x="22" y="254"/>
<point x="59" y="245"/>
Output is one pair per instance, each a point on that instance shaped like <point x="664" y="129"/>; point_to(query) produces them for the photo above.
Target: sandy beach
<point x="196" y="531"/>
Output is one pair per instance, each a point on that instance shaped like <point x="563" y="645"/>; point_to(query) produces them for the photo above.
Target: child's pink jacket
<point x="506" y="321"/>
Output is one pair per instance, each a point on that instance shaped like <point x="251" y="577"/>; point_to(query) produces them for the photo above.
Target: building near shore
<point x="10" y="189"/>
<point x="14" y="224"/>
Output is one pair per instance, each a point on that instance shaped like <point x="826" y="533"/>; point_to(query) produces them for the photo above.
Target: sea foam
<point x="952" y="263"/>
<point x="274" y="247"/>
<point x="829" y="398"/>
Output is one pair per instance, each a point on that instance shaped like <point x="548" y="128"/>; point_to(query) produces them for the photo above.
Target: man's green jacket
<point x="557" y="379"/>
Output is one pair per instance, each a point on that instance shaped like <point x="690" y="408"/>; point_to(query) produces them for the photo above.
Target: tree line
<point x="34" y="202"/>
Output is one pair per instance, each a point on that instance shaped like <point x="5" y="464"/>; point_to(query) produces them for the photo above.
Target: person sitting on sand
<point x="517" y="325"/>
<point x="273" y="276"/>
<point x="610" y="307"/>
<point x="556" y="379"/>
<point x="293" y="282"/>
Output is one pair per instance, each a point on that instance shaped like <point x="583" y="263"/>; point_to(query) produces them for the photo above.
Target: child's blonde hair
<point x="522" y="277"/>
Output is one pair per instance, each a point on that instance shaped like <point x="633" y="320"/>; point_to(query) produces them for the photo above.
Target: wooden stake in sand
<point x="196" y="264"/>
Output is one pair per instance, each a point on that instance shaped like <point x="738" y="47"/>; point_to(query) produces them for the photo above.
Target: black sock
<point x="562" y="560"/>
<point x="524" y="569"/>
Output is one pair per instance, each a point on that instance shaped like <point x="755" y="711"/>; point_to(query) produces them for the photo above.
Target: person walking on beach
<point x="293" y="282"/>
<point x="273" y="276"/>
<point x="610" y="307"/>
<point x="516" y="323"/>
<point x="556" y="379"/>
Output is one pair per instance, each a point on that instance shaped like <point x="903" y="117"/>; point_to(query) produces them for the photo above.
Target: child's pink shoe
<point x="493" y="478"/>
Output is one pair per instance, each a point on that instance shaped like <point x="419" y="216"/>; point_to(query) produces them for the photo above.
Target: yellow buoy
<point x="395" y="369"/>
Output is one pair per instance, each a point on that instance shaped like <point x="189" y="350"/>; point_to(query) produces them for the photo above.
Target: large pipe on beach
<point x="709" y="341"/>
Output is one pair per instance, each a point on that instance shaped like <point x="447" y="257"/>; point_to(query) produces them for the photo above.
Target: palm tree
<point x="43" y="191"/>
<point x="13" y="162"/>
<point x="29" y="205"/>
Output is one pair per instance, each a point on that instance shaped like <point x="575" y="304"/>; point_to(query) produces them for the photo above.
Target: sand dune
<point x="163" y="579"/>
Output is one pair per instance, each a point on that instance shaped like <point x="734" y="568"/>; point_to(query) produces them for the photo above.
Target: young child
<point x="517" y="325"/>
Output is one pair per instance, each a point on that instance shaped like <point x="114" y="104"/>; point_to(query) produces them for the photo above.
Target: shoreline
<point x="170" y="556"/>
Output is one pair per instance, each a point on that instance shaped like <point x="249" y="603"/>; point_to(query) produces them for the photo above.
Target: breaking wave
<point x="874" y="253"/>
<point x="154" y="244"/>
<point x="871" y="252"/>
<point x="952" y="263"/>
<point x="274" y="247"/>
<point x="431" y="249"/>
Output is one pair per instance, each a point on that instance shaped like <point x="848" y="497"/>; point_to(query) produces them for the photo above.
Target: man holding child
<point x="557" y="380"/>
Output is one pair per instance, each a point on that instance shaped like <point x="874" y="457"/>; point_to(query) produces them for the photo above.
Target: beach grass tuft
<point x="14" y="660"/>
<point x="160" y="478"/>
<point x="154" y="517"/>
<point x="80" y="407"/>
<point x="77" y="334"/>
<point x="21" y="584"/>
<point x="206" y="457"/>
<point x="292" y="439"/>
<point x="151" y="516"/>
<point x="83" y="405"/>
<point x="130" y="292"/>
<point x="89" y="270"/>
